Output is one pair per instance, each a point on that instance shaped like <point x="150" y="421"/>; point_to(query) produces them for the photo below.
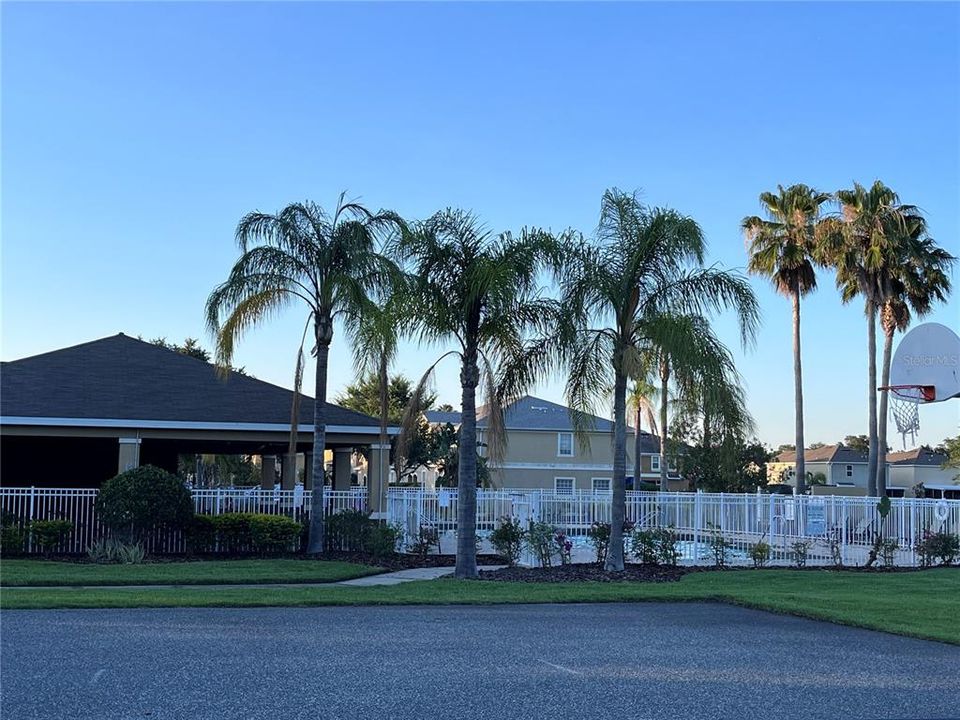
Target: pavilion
<point x="77" y="416"/>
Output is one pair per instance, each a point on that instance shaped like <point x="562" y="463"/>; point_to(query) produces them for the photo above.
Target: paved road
<point x="535" y="661"/>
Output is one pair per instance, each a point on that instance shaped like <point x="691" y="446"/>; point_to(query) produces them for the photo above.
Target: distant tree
<point x="857" y="442"/>
<point x="816" y="445"/>
<point x="445" y="407"/>
<point x="951" y="448"/>
<point x="729" y="466"/>
<point x="364" y="396"/>
<point x="192" y="348"/>
<point x="786" y="447"/>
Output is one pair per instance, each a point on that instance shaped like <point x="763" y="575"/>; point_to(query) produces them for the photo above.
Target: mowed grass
<point x="208" y="572"/>
<point x="923" y="604"/>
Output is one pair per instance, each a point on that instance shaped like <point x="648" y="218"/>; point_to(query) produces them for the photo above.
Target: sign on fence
<point x="816" y="517"/>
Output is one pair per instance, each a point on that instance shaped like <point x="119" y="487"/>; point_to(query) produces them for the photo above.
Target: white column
<point x="129" y="454"/>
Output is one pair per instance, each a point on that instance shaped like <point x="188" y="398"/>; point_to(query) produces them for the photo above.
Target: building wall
<point x="909" y="475"/>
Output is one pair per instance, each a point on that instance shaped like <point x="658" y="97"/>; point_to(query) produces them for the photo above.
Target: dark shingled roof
<point x="838" y="453"/>
<point x="917" y="456"/>
<point x="120" y="377"/>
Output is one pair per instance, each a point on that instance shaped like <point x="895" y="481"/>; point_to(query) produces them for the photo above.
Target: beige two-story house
<point x="543" y="450"/>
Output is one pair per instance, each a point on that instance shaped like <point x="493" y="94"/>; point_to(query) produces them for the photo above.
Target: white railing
<point x="24" y="505"/>
<point x="830" y="525"/>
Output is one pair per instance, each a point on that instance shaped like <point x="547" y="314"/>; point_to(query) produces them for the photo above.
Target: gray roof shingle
<point x="120" y="377"/>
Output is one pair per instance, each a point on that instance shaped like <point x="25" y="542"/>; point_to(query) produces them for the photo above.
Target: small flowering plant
<point x="564" y="547"/>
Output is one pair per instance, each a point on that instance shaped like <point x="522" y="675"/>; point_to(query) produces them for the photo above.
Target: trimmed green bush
<point x="201" y="534"/>
<point x="507" y="539"/>
<point x="348" y="530"/>
<point x="140" y="500"/>
<point x="273" y="533"/>
<point x="383" y="539"/>
<point x="11" y="539"/>
<point x="233" y="532"/>
<point x="47" y="534"/>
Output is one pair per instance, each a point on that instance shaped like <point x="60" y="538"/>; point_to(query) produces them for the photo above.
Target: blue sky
<point x="136" y="135"/>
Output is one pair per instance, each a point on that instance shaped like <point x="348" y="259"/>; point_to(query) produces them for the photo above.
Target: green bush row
<point x="243" y="532"/>
<point x="355" y="531"/>
<point x="46" y="535"/>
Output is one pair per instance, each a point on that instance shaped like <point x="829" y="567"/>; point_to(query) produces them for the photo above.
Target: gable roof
<point x="917" y="456"/>
<point x="838" y="453"/>
<point x="120" y="377"/>
<point x="531" y="413"/>
<point x="442" y="417"/>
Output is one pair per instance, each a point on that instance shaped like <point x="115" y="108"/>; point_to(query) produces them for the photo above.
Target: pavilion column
<point x="129" y="455"/>
<point x="308" y="471"/>
<point x="341" y="468"/>
<point x="268" y="470"/>
<point x="288" y="471"/>
<point x="378" y="480"/>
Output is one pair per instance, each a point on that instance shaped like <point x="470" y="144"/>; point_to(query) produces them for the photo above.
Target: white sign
<point x="941" y="510"/>
<point x="443" y="499"/>
<point x="816" y="517"/>
<point x="789" y="509"/>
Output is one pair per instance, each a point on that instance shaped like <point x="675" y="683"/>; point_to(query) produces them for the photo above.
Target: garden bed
<point x="404" y="561"/>
<point x="589" y="572"/>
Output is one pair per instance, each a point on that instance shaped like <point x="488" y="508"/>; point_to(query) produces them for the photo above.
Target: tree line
<point x="631" y="303"/>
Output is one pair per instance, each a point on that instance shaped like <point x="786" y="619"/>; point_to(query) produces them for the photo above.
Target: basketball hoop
<point x="905" y="407"/>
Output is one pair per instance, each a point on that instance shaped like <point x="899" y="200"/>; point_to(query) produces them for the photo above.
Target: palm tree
<point x="480" y="293"/>
<point x="641" y="402"/>
<point x="645" y="263"/>
<point x="329" y="262"/>
<point x="691" y="357"/>
<point x="917" y="278"/>
<point x="783" y="247"/>
<point x="866" y="244"/>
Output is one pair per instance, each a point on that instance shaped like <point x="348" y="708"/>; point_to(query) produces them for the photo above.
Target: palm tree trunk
<point x="618" y="509"/>
<point x="466" y="566"/>
<point x="384" y="410"/>
<point x="882" y="413"/>
<point x="638" y="452"/>
<point x="664" y="385"/>
<point x="872" y="398"/>
<point x="801" y="466"/>
<point x="315" y="537"/>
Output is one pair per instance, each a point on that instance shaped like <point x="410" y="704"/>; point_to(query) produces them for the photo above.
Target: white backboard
<point x="929" y="355"/>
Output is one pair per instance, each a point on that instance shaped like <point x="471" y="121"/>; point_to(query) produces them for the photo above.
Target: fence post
<point x="33" y="493"/>
<point x="770" y="511"/>
<point x="697" y="520"/>
<point x="843" y="531"/>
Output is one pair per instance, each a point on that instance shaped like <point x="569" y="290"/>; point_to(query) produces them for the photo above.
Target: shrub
<point x="888" y="550"/>
<point x="643" y="546"/>
<point x="540" y="540"/>
<point x="760" y="554"/>
<point x="233" y="532"/>
<point x="719" y="546"/>
<point x="131" y="553"/>
<point x="599" y="536"/>
<point x="47" y="534"/>
<point x="666" y="542"/>
<point x="383" y="538"/>
<point x="799" y="550"/>
<point x="942" y="545"/>
<point x="564" y="547"/>
<point x="11" y="535"/>
<point x="137" y="501"/>
<point x="201" y="534"/>
<point x="273" y="533"/>
<point x="347" y="530"/>
<point x="507" y="539"/>
<point x="111" y="550"/>
<point x="426" y="538"/>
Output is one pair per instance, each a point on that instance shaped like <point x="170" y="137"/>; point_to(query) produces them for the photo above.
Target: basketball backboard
<point x="928" y="359"/>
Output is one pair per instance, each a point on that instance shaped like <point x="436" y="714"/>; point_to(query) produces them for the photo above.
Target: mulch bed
<point x="588" y="572"/>
<point x="406" y="562"/>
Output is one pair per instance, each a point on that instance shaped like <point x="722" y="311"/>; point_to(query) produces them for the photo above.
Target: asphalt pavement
<point x="633" y="661"/>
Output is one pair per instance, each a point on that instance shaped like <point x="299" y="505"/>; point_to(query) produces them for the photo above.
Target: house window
<point x="600" y="484"/>
<point x="655" y="463"/>
<point x="564" y="486"/>
<point x="564" y="444"/>
<point x="850" y="471"/>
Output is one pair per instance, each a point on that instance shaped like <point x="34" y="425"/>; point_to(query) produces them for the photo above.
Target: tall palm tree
<point x="701" y="368"/>
<point x="641" y="401"/>
<point x="783" y="247"/>
<point x="865" y="243"/>
<point x="329" y="262"/>
<point x="644" y="263"/>
<point x="917" y="278"/>
<point x="479" y="292"/>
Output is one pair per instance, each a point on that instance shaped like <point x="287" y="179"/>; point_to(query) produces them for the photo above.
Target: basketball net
<point x="905" y="408"/>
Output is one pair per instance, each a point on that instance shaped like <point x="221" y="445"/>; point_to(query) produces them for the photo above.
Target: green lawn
<point x="209" y="572"/>
<point x="918" y="604"/>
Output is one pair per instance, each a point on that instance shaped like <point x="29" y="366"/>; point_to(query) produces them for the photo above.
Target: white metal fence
<point x="833" y="527"/>
<point x="830" y="528"/>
